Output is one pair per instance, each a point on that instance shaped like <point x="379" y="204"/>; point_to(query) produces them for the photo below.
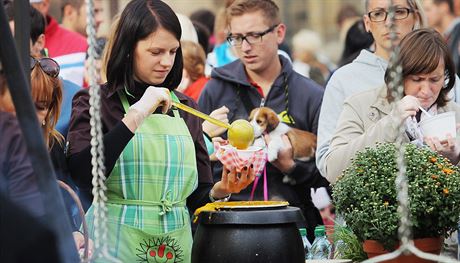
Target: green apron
<point x="148" y="220"/>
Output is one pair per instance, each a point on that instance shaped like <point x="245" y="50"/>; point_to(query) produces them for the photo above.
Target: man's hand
<point x="285" y="162"/>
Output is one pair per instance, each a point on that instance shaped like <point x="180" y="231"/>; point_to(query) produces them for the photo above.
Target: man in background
<point x="74" y="15"/>
<point x="66" y="47"/>
<point x="441" y="16"/>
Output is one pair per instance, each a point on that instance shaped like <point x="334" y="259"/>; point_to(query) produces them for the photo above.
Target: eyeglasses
<point x="48" y="65"/>
<point x="251" y="38"/>
<point x="381" y="15"/>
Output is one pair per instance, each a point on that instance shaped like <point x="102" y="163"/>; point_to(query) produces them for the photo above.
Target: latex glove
<point x="449" y="148"/>
<point x="153" y="98"/>
<point x="214" y="130"/>
<point x="407" y="106"/>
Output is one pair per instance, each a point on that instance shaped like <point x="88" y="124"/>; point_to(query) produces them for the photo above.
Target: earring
<point x="43" y="123"/>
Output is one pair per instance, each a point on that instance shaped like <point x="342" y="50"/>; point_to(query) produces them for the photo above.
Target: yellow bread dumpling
<point x="241" y="134"/>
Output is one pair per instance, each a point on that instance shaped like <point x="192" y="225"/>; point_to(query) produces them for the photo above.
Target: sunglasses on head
<point x="48" y="65"/>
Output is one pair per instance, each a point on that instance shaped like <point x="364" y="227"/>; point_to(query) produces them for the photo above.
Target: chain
<point x="395" y="85"/>
<point x="97" y="145"/>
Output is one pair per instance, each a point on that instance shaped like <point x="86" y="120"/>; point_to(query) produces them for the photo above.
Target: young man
<point x="66" y="47"/>
<point x="255" y="31"/>
<point x="74" y="15"/>
<point x="441" y="16"/>
<point x="367" y="70"/>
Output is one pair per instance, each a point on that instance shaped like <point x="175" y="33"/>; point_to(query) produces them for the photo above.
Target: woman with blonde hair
<point x="193" y="78"/>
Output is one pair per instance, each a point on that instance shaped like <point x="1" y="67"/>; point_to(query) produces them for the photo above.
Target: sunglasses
<point x="48" y="65"/>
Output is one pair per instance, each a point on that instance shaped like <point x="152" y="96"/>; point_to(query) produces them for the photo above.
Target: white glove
<point x="153" y="98"/>
<point x="214" y="130"/>
<point x="407" y="106"/>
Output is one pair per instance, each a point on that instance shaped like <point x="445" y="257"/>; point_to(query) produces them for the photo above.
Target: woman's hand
<point x="448" y="148"/>
<point x="153" y="98"/>
<point x="214" y="130"/>
<point x="407" y="106"/>
<point x="233" y="181"/>
<point x="80" y="243"/>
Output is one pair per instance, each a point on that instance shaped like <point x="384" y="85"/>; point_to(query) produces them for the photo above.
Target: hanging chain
<point x="405" y="225"/>
<point x="97" y="145"/>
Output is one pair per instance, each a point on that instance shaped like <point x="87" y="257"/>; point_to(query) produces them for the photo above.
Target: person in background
<point x="222" y="54"/>
<point x="306" y="45"/>
<point x="255" y="31"/>
<point x="203" y="35"/>
<point x="17" y="178"/>
<point x="22" y="210"/>
<point x="66" y="47"/>
<point x="368" y="69"/>
<point x="46" y="92"/>
<point x="207" y="19"/>
<point x="374" y="116"/>
<point x="357" y="39"/>
<point x="74" y="15"/>
<point x="157" y="166"/>
<point x="37" y="45"/>
<point x="193" y="78"/>
<point x="441" y="16"/>
<point x="188" y="30"/>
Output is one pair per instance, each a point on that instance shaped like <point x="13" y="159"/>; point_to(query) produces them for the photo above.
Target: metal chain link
<point x="97" y="145"/>
<point x="405" y="225"/>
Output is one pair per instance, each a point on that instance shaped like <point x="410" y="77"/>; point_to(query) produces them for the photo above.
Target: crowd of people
<point x="159" y="161"/>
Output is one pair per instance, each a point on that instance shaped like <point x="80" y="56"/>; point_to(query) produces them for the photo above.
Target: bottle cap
<point x="303" y="231"/>
<point x="320" y="231"/>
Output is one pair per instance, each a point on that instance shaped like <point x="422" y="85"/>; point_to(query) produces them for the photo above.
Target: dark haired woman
<point x="157" y="164"/>
<point x="368" y="117"/>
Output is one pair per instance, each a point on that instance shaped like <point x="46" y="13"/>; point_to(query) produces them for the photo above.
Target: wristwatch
<point x="223" y="199"/>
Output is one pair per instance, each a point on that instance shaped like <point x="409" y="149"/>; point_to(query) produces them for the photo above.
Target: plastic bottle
<point x="321" y="247"/>
<point x="339" y="248"/>
<point x="306" y="243"/>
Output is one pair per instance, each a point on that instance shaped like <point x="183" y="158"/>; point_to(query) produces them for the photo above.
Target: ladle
<point x="240" y="132"/>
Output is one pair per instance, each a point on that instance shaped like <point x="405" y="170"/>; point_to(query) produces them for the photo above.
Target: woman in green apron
<point x="157" y="164"/>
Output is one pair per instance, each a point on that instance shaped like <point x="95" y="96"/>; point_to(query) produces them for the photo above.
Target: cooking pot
<point x="260" y="234"/>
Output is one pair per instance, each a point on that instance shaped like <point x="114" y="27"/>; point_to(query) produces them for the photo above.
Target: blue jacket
<point x="69" y="90"/>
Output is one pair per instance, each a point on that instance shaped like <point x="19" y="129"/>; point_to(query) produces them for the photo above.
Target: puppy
<point x="265" y="120"/>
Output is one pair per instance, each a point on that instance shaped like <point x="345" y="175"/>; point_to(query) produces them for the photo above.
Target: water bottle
<point x="339" y="248"/>
<point x="321" y="247"/>
<point x="306" y="243"/>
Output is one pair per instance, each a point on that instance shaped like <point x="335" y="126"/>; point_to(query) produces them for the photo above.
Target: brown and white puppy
<point x="265" y="120"/>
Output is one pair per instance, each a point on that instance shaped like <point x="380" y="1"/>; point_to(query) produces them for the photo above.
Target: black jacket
<point x="229" y="86"/>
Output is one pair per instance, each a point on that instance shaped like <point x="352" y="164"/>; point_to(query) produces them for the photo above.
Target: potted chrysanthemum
<point x="365" y="196"/>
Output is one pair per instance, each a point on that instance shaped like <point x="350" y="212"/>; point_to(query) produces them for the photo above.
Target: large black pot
<point x="255" y="235"/>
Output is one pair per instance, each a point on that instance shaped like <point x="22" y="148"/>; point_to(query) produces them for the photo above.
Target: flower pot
<point x="430" y="245"/>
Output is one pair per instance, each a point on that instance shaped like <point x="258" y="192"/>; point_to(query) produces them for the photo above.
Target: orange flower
<point x="445" y="191"/>
<point x="447" y="171"/>
<point x="433" y="159"/>
<point x="434" y="177"/>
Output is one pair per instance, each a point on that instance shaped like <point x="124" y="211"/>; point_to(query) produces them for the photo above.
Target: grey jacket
<point x="366" y="118"/>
